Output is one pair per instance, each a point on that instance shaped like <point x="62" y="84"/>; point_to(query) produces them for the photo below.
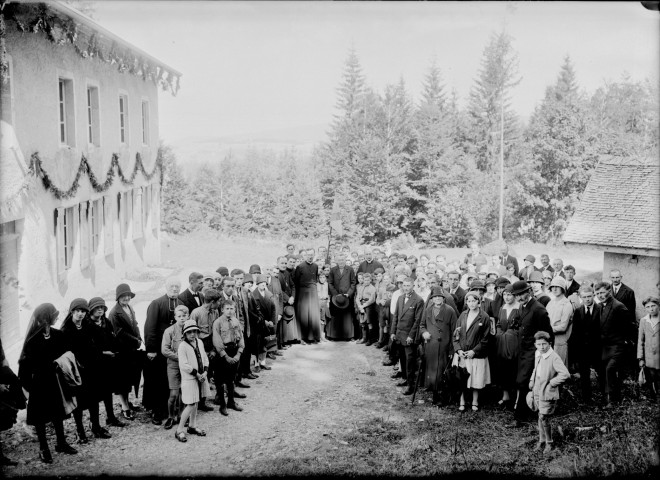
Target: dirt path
<point x="296" y="412"/>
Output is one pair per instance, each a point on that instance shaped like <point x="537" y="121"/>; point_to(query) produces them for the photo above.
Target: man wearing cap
<point x="228" y="344"/>
<point x="160" y="315"/>
<point x="308" y="312"/>
<point x="369" y="264"/>
<point x="342" y="281"/>
<point x="191" y="297"/>
<point x="533" y="318"/>
<point x="407" y="315"/>
<point x="528" y="268"/>
<point x="204" y="317"/>
<point x="508" y="259"/>
<point x="275" y="287"/>
<point x="268" y="320"/>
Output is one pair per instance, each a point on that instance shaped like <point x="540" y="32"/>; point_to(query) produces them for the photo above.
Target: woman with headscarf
<point x="130" y="348"/>
<point x="37" y="373"/>
<point x="105" y="342"/>
<point x="78" y="331"/>
<point x="437" y="327"/>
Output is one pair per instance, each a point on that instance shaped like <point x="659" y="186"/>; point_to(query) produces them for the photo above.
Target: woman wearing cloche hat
<point x="130" y="347"/>
<point x="560" y="311"/>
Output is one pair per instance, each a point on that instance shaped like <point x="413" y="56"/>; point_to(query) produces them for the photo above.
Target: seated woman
<point x="471" y="347"/>
<point x="437" y="327"/>
<point x="78" y="332"/>
<point x="38" y="375"/>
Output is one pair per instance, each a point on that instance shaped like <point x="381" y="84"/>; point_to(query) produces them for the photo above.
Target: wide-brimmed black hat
<point x="521" y="286"/>
<point x="124" y="289"/>
<point x="340" y="301"/>
<point x="288" y="313"/>
<point x="97" y="302"/>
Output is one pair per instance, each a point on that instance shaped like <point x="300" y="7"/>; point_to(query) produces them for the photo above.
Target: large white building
<point x="80" y="176"/>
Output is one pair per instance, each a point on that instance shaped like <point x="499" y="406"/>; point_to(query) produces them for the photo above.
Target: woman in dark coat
<point x="129" y="342"/>
<point x="471" y="347"/>
<point x="78" y="331"/>
<point x="37" y="373"/>
<point x="105" y="341"/>
<point x="507" y="345"/>
<point x="437" y="327"/>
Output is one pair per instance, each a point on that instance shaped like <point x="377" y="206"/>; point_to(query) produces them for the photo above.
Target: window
<point x="145" y="122"/>
<point x="66" y="112"/>
<point x="123" y="119"/>
<point x="7" y="99"/>
<point x="93" y="120"/>
<point x="65" y="230"/>
<point x="95" y="226"/>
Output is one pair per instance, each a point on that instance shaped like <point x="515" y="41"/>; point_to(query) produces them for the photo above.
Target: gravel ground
<point x="312" y="396"/>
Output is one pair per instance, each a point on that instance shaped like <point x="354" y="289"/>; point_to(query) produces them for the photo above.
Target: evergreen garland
<point x="84" y="168"/>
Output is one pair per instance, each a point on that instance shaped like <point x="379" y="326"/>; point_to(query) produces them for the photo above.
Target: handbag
<point x="641" y="379"/>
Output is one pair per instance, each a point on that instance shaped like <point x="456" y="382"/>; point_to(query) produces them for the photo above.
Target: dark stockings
<point x="59" y="434"/>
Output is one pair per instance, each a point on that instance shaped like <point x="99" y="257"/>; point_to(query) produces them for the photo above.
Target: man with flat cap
<point x="533" y="318"/>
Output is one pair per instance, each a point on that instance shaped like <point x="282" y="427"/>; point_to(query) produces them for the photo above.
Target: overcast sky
<point x="255" y="66"/>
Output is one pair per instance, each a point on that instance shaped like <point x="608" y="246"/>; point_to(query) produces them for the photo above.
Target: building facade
<point x="80" y="172"/>
<point x="620" y="213"/>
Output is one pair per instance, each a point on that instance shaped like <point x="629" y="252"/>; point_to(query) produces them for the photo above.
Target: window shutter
<point x="84" y="235"/>
<point x="108" y="240"/>
<point x="59" y="243"/>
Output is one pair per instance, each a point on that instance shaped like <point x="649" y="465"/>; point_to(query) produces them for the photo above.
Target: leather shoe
<point x="241" y="385"/>
<point x="223" y="410"/>
<point x="278" y="353"/>
<point x="409" y="391"/>
<point x="389" y="363"/>
<point x="65" y="448"/>
<point x="114" y="422"/>
<point x="128" y="414"/>
<point x="204" y="407"/>
<point x="169" y="423"/>
<point x="101" y="433"/>
<point x="397" y="375"/>
<point x="266" y="367"/>
<point x="233" y="406"/>
<point x="239" y="395"/>
<point x="251" y="376"/>
<point x="156" y="421"/>
<point x="271" y="356"/>
<point x="402" y="384"/>
<point x="45" y="456"/>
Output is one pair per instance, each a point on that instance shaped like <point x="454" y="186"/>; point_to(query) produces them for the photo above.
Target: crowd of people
<point x="451" y="327"/>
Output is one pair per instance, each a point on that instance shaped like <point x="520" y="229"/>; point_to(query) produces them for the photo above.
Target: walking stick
<point x="419" y="373"/>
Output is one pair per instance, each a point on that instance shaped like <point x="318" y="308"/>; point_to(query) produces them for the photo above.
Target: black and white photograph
<point x="329" y="238"/>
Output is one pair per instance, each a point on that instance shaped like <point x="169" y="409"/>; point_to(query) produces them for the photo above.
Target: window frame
<point x="93" y="111"/>
<point x="66" y="110"/>
<point x="124" y="117"/>
<point x="146" y="125"/>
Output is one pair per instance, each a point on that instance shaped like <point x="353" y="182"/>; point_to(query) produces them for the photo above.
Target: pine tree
<point x="179" y="214"/>
<point x="491" y="92"/>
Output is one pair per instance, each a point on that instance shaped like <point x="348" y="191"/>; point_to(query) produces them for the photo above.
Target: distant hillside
<point x="195" y="151"/>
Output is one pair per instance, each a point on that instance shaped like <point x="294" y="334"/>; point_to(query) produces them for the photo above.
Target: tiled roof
<point x="620" y="206"/>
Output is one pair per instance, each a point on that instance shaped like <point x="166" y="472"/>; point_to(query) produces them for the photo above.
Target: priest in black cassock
<point x="307" y="298"/>
<point x="160" y="315"/>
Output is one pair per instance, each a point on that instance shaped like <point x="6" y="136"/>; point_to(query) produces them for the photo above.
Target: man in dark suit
<point x="243" y="314"/>
<point x="572" y="285"/>
<point x="584" y="344"/>
<point x="341" y="281"/>
<point x="533" y="318"/>
<point x="558" y="265"/>
<point x="407" y="315"/>
<point x="369" y="264"/>
<point x="614" y="330"/>
<point x="275" y="287"/>
<point x="545" y="264"/>
<point x="623" y="293"/>
<point x="507" y="259"/>
<point x="192" y="297"/>
<point x="456" y="290"/>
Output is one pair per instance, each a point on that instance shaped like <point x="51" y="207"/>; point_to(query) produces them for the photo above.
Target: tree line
<point x="428" y="169"/>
